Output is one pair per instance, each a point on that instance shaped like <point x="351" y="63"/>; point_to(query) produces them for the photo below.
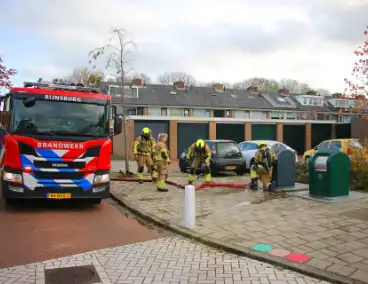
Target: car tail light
<point x="349" y="151"/>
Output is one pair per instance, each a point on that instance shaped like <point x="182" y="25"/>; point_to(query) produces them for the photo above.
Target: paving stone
<point x="350" y="258"/>
<point x="167" y="260"/>
<point x="287" y="223"/>
<point x="319" y="263"/>
<point x="360" y="275"/>
<point x="341" y="269"/>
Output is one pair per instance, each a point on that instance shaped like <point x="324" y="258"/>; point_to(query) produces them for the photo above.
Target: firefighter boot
<point x="253" y="183"/>
<point x="271" y="186"/>
<point x="140" y="178"/>
<point x="191" y="179"/>
<point x="207" y="178"/>
<point x="160" y="185"/>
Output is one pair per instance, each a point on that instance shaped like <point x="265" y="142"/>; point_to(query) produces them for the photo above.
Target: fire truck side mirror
<point x="29" y="102"/>
<point x="118" y="125"/>
<point x="113" y="109"/>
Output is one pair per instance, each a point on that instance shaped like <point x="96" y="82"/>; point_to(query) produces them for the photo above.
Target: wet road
<point x="41" y="231"/>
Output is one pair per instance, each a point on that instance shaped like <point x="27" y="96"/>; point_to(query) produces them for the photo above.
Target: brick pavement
<point x="335" y="236"/>
<point x="166" y="260"/>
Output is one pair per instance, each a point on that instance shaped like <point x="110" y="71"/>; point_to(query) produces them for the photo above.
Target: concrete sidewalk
<point x="334" y="236"/>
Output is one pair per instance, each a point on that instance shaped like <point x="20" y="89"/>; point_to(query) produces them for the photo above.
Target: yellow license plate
<point x="231" y="167"/>
<point x="59" y="195"/>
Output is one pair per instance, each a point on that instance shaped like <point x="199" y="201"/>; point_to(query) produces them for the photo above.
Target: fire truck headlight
<point x="16" y="178"/>
<point x="101" y="179"/>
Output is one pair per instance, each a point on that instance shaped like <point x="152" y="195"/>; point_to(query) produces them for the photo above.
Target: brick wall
<point x="119" y="141"/>
<point x="212" y="130"/>
<point x="280" y="132"/>
<point x="173" y="136"/>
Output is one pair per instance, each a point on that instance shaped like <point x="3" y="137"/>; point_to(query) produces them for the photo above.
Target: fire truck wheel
<point x="11" y="202"/>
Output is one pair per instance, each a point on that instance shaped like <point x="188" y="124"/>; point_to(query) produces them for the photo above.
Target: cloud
<point x="213" y="40"/>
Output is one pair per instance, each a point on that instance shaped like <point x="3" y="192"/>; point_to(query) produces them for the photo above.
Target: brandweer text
<point x="53" y="145"/>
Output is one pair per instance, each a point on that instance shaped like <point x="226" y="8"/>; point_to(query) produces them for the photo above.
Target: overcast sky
<point x="311" y="41"/>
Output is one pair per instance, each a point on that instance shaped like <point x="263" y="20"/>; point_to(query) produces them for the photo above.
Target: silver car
<point x="249" y="149"/>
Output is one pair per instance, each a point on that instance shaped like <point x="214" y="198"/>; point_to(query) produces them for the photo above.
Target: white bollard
<point x="190" y="206"/>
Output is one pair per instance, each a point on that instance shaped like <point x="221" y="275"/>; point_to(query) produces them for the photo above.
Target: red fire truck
<point x="55" y="142"/>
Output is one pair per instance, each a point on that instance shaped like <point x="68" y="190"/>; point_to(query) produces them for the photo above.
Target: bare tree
<point x="323" y="92"/>
<point x="169" y="78"/>
<point x="263" y="84"/>
<point x="118" y="61"/>
<point x="210" y="84"/>
<point x="84" y="75"/>
<point x="294" y="86"/>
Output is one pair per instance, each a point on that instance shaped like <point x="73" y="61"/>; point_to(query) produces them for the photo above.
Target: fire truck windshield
<point x="59" y="118"/>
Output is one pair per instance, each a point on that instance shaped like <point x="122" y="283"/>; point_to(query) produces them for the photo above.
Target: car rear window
<point x="228" y="150"/>
<point x="249" y="146"/>
<point x="336" y="144"/>
<point x="355" y="144"/>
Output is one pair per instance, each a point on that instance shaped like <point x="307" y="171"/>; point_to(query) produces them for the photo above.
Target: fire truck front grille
<point x="54" y="165"/>
<point x="58" y="175"/>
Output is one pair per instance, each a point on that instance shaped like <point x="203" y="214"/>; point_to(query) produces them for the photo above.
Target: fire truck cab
<point x="56" y="142"/>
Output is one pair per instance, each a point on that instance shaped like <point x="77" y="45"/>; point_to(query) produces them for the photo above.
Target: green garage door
<point x="343" y="130"/>
<point x="188" y="133"/>
<point x="156" y="126"/>
<point x="233" y="132"/>
<point x="320" y="133"/>
<point x="263" y="132"/>
<point x="294" y="137"/>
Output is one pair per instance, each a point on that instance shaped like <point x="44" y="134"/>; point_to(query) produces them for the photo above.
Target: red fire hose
<point x="202" y="185"/>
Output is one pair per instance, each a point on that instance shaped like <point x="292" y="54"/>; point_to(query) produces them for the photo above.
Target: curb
<point x="235" y="249"/>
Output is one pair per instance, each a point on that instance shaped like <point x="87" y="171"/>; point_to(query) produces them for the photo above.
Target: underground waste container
<point x="329" y="174"/>
<point x="284" y="171"/>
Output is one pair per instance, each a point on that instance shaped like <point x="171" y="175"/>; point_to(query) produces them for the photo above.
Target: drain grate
<point x="86" y="274"/>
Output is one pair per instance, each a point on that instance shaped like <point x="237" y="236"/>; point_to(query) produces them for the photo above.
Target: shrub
<point x="359" y="170"/>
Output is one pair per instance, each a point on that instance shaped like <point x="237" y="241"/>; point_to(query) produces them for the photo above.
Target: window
<point x="176" y="112"/>
<point x="186" y="112"/>
<point x="163" y="111"/>
<point x="135" y="111"/>
<point x="248" y="146"/>
<point x="247" y="114"/>
<point x="228" y="113"/>
<point x="208" y="113"/>
<point x="290" y="115"/>
<point x="264" y="115"/>
<point x="199" y="112"/>
<point x="156" y="111"/>
<point x="355" y="144"/>
<point x="228" y="150"/>
<point x="281" y="100"/>
<point x="275" y="115"/>
<point x="219" y="113"/>
<point x="336" y="144"/>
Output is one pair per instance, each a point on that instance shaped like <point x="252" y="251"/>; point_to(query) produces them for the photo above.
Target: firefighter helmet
<point x="261" y="143"/>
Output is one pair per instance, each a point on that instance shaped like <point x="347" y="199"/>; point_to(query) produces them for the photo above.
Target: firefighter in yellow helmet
<point x="201" y="156"/>
<point x="162" y="161"/>
<point x="262" y="167"/>
<point x="144" y="153"/>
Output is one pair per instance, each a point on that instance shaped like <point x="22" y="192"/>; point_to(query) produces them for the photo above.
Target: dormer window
<point x="310" y="100"/>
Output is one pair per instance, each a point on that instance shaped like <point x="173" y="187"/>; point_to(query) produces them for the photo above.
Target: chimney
<point x="136" y="83"/>
<point x="284" y="91"/>
<point x="253" y="90"/>
<point x="179" y="85"/>
<point x="218" y="88"/>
